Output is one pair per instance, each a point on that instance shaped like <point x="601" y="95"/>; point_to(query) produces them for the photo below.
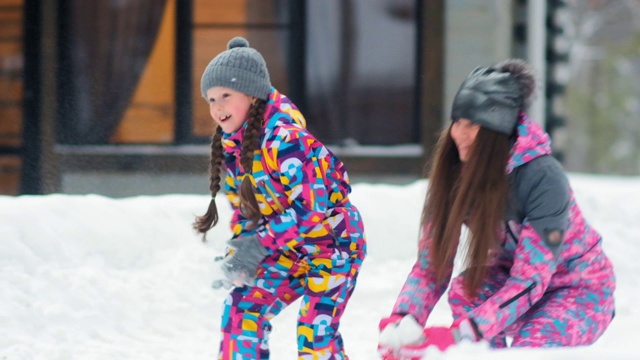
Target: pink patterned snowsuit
<point x="313" y="233"/>
<point x="539" y="292"/>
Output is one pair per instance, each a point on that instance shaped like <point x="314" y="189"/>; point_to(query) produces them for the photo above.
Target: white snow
<point x="90" y="277"/>
<point x="406" y="332"/>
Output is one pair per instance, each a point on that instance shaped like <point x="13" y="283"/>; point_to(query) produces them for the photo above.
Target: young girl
<point x="536" y="270"/>
<point x="295" y="232"/>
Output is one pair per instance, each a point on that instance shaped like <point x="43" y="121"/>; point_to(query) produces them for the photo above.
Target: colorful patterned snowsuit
<point x="314" y="236"/>
<point x="538" y="292"/>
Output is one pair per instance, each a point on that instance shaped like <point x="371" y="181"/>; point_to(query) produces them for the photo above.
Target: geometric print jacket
<point x="301" y="187"/>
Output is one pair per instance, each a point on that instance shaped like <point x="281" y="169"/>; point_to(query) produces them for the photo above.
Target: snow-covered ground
<point x="90" y="277"/>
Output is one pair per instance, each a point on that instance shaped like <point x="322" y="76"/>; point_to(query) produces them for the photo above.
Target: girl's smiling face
<point x="228" y="108"/>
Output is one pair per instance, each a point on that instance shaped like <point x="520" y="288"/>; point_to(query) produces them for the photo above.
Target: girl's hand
<point x="398" y="333"/>
<point x="241" y="266"/>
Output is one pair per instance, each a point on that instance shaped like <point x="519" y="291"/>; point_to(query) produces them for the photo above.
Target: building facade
<point x="104" y="92"/>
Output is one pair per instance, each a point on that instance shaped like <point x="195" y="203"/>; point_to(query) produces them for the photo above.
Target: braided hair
<point x="250" y="143"/>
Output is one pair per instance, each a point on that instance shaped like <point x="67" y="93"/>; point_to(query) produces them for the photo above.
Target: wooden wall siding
<point x="150" y="116"/>
<point x="11" y="3"/>
<point x="219" y="12"/>
<point x="10" y="110"/>
<point x="11" y="62"/>
<point x="10" y="72"/>
<point x="10" y="167"/>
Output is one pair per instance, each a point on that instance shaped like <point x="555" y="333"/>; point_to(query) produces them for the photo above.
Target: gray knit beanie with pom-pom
<point x="493" y="96"/>
<point x="240" y="68"/>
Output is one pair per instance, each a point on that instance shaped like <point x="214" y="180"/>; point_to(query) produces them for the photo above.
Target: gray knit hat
<point x="493" y="96"/>
<point x="240" y="68"/>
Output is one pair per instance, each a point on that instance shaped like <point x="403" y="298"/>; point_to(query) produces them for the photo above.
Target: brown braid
<point x="210" y="218"/>
<point x="251" y="142"/>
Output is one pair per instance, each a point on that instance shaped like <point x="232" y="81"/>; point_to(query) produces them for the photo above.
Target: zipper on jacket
<point x="518" y="295"/>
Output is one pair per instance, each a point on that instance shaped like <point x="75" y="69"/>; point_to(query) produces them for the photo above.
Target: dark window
<point x="361" y="72"/>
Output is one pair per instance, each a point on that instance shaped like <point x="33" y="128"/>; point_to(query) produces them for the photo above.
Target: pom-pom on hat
<point x="240" y="68"/>
<point x="493" y="96"/>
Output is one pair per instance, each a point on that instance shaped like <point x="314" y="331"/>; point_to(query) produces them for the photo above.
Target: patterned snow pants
<point x="567" y="316"/>
<point x="325" y="285"/>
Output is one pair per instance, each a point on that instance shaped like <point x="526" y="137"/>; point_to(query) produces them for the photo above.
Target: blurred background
<point x="103" y="96"/>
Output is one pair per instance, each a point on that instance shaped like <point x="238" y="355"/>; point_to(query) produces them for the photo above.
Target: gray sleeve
<point x="545" y="195"/>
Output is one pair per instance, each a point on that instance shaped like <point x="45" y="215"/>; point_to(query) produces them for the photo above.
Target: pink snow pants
<point x="325" y="286"/>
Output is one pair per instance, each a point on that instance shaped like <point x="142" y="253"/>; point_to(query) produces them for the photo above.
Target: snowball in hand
<point x="406" y="332"/>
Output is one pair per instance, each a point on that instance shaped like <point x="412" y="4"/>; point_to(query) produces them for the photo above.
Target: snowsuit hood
<point x="531" y="143"/>
<point x="280" y="111"/>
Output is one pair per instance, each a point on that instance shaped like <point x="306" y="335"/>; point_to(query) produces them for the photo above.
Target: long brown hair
<point x="474" y="194"/>
<point x="250" y="143"/>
